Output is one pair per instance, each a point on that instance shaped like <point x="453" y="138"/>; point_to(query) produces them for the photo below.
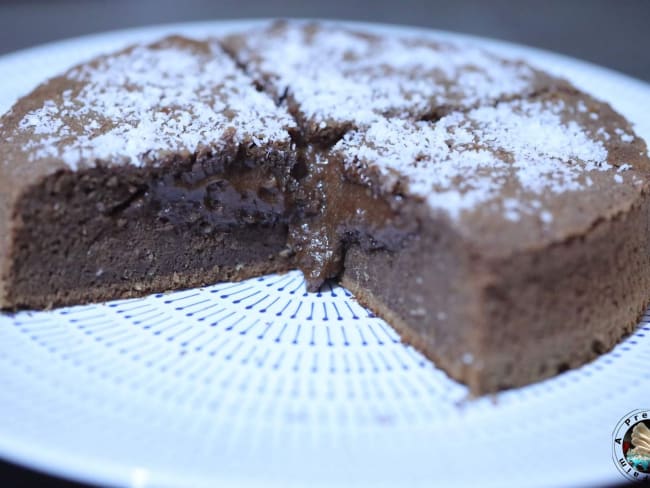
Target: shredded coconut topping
<point x="336" y="75"/>
<point x="179" y="95"/>
<point x="146" y="101"/>
<point x="464" y="161"/>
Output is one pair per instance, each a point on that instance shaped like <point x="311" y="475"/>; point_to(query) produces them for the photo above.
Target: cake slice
<point x="531" y="254"/>
<point x="154" y="168"/>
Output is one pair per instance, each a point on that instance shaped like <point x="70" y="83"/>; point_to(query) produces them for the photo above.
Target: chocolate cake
<point x="495" y="215"/>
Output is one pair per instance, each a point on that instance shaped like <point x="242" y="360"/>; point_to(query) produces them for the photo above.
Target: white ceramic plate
<point x="261" y="384"/>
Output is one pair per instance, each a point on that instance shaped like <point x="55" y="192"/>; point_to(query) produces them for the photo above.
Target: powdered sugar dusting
<point x="339" y="76"/>
<point x="506" y="154"/>
<point x="174" y="96"/>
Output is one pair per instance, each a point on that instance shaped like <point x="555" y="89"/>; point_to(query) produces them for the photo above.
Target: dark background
<point x="612" y="33"/>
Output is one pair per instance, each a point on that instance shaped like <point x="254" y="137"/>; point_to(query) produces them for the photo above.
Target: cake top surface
<point x="530" y="168"/>
<point x="136" y="105"/>
<point x="493" y="145"/>
<point x="338" y="76"/>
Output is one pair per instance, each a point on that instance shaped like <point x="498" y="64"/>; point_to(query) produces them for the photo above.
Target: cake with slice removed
<point x="495" y="215"/>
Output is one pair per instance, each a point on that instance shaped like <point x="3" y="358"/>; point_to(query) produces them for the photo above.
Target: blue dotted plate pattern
<point x="259" y="383"/>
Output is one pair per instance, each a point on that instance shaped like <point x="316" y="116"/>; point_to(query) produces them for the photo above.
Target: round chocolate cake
<point x="494" y="214"/>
